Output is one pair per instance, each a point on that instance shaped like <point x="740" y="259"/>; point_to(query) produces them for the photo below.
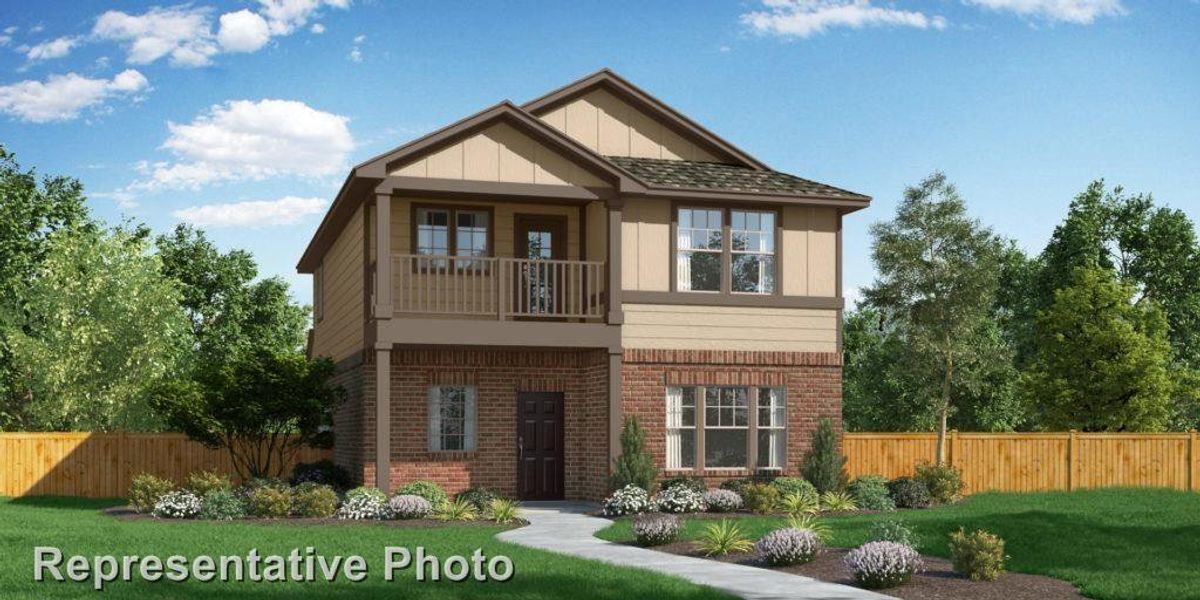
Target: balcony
<point x="495" y="288"/>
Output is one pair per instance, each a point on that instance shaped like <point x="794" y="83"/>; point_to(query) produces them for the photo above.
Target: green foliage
<point x="481" y="497"/>
<point x="429" y="491"/>
<point x="146" y="489"/>
<point x="812" y="523"/>
<point x="458" y="510"/>
<point x="824" y="466"/>
<point x="1101" y="361"/>
<point x="870" y="493"/>
<point x="738" y="484"/>
<point x="795" y="486"/>
<point x="838" y="501"/>
<point x="894" y="530"/>
<point x="760" y="498"/>
<point x="323" y="471"/>
<point x="634" y="466"/>
<point x="269" y="502"/>
<point x="261" y="407"/>
<point x="978" y="555"/>
<point x="312" y="499"/>
<point x="795" y="504"/>
<point x="944" y="482"/>
<point x="222" y="504"/>
<point x="203" y="482"/>
<point x="908" y="492"/>
<point x="689" y="481"/>
<point x="724" y="537"/>
<point x="371" y="493"/>
<point x="502" y="510"/>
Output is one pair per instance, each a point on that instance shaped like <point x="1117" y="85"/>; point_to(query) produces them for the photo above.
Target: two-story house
<point x="502" y="293"/>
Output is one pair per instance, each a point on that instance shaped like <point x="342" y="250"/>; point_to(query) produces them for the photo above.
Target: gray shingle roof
<point x="687" y="174"/>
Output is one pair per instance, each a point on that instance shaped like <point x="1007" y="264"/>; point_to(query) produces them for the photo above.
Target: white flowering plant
<point x="409" y="506"/>
<point x="877" y="565"/>
<point x="180" y="504"/>
<point x="629" y="500"/>
<point x="364" y="503"/>
<point x="679" y="499"/>
<point x="722" y="500"/>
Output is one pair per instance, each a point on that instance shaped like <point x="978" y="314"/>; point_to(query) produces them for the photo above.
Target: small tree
<point x="824" y="465"/>
<point x="634" y="465"/>
<point x="262" y="407"/>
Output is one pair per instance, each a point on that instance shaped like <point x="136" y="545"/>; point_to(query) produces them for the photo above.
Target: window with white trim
<point x="700" y="245"/>
<point x="741" y="427"/>
<point x="452" y="420"/>
<point x="752" y="236"/>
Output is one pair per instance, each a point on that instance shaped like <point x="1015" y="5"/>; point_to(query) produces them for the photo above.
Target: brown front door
<point x="539" y="285"/>
<point x="540" y="445"/>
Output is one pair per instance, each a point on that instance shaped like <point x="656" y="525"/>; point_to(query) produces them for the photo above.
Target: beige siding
<point x="611" y="126"/>
<point x="499" y="153"/>
<point x="340" y="333"/>
<point x="646" y="245"/>
<point x="597" y="231"/>
<point x="729" y="328"/>
<point x="809" y="251"/>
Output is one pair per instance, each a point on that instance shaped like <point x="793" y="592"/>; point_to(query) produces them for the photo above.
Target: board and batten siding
<point x="612" y="127"/>
<point x="339" y="334"/>
<point x="728" y="328"/>
<point x="809" y="251"/>
<point x="646" y="245"/>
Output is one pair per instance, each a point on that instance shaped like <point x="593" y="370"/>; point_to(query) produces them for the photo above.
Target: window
<point x="700" y="247"/>
<point x="451" y="418"/>
<point x="742" y="427"/>
<point x="753" y="246"/>
<point x="452" y="232"/>
<point x="706" y="263"/>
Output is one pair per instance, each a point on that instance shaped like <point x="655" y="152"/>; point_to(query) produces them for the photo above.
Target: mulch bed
<point x="128" y="514"/>
<point x="938" y="582"/>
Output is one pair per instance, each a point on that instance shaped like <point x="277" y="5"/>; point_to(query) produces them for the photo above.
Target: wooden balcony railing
<point x="502" y="288"/>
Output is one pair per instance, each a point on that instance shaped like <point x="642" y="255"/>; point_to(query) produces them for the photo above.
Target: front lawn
<point x="1112" y="544"/>
<point x="77" y="526"/>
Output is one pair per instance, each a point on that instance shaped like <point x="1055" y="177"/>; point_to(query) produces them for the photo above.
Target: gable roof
<point x="693" y="175"/>
<point x="643" y="100"/>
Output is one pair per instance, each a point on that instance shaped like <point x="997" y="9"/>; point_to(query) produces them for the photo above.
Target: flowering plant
<point x="679" y="499"/>
<point x="180" y="504"/>
<point x="628" y="500"/>
<point x="789" y="546"/>
<point x="883" y="564"/>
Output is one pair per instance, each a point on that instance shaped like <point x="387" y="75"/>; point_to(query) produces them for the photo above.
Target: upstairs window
<point x="752" y="234"/>
<point x="450" y="231"/>
<point x="725" y="250"/>
<point x="701" y="243"/>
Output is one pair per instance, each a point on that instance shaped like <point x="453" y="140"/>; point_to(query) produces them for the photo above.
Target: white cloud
<point x="62" y="97"/>
<point x="288" y="210"/>
<point x="56" y="48"/>
<point x="243" y="139"/>
<point x="243" y="31"/>
<point x="355" y="55"/>
<point x="181" y="33"/>
<point x="317" y="28"/>
<point x="1080" y="12"/>
<point x="358" y="39"/>
<point x="805" y="18"/>
<point x="285" y="16"/>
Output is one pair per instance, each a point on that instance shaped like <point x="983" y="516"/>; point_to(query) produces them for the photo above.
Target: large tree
<point x="102" y="326"/>
<point x="938" y="278"/>
<point x="1102" y="361"/>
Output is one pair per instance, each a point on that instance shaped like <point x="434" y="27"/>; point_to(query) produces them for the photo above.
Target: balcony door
<point x="539" y="285"/>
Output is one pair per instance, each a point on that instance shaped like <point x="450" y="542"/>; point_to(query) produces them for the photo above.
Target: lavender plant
<point x="409" y="506"/>
<point x="789" y="546"/>
<point x="878" y="565"/>
<point x="655" y="529"/>
<point x="722" y="500"/>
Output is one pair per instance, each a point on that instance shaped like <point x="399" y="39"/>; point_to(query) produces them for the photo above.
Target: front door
<point x="540" y="445"/>
<point x="539" y="282"/>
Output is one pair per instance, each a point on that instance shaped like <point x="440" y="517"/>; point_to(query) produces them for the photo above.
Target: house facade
<point x="501" y="294"/>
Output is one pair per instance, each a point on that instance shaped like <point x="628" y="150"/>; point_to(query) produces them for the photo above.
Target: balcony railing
<point x="501" y="288"/>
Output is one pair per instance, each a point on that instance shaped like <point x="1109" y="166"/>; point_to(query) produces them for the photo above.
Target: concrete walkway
<point x="563" y="527"/>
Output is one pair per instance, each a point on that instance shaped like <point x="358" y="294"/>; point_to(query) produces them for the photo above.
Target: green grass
<point x="1120" y="543"/>
<point x="77" y="526"/>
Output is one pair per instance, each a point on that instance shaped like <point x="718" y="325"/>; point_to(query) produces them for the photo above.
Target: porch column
<point x="383" y="417"/>
<point x="616" y="416"/>
<point x="615" y="315"/>
<point x="383" y="255"/>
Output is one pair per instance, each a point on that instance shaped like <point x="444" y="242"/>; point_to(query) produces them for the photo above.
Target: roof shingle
<point x="687" y="174"/>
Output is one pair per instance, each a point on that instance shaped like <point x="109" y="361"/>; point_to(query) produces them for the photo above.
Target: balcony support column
<point x="615" y="315"/>
<point x="382" y="308"/>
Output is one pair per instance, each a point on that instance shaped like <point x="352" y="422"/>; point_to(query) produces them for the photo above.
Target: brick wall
<point x="347" y="420"/>
<point x="813" y="381"/>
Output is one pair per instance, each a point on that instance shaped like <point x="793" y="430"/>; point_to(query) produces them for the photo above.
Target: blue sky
<point x="172" y="112"/>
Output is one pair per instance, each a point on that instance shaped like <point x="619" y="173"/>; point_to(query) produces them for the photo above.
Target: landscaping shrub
<point x="222" y="505"/>
<point x="788" y="486"/>
<point x="270" y="502"/>
<point x="979" y="555"/>
<point x="679" y="499"/>
<point x="894" y="530"/>
<point x="722" y="501"/>
<point x="634" y="466"/>
<point x="795" y="505"/>
<point x="324" y="472"/>
<point x="788" y="546"/>
<point x="409" y="506"/>
<point x="364" y="503"/>
<point x="824" y="466"/>
<point x="180" y="504"/>
<point x="201" y="483"/>
<point x="502" y="510"/>
<point x="145" y="491"/>
<point x="275" y="483"/>
<point x="427" y="490"/>
<point x="724" y="537"/>
<point x="691" y="482"/>
<point x="944" y="482"/>
<point x="655" y="529"/>
<point x="480" y="497"/>
<point x="737" y="485"/>
<point x="312" y="499"/>
<point x="629" y="500"/>
<point x="458" y="510"/>
<point x="760" y="498"/>
<point x="871" y="493"/>
<point x="813" y="523"/>
<point x="838" y="501"/>
<point x="879" y="565"/>
<point x="907" y="492"/>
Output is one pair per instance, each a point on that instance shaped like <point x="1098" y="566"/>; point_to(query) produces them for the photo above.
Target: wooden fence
<point x="1036" y="461"/>
<point x="101" y="465"/>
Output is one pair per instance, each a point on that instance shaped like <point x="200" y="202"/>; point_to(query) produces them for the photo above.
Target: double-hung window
<point x="446" y="231"/>
<point x="725" y="250"/>
<point x="452" y="420"/>
<point x="726" y="427"/>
